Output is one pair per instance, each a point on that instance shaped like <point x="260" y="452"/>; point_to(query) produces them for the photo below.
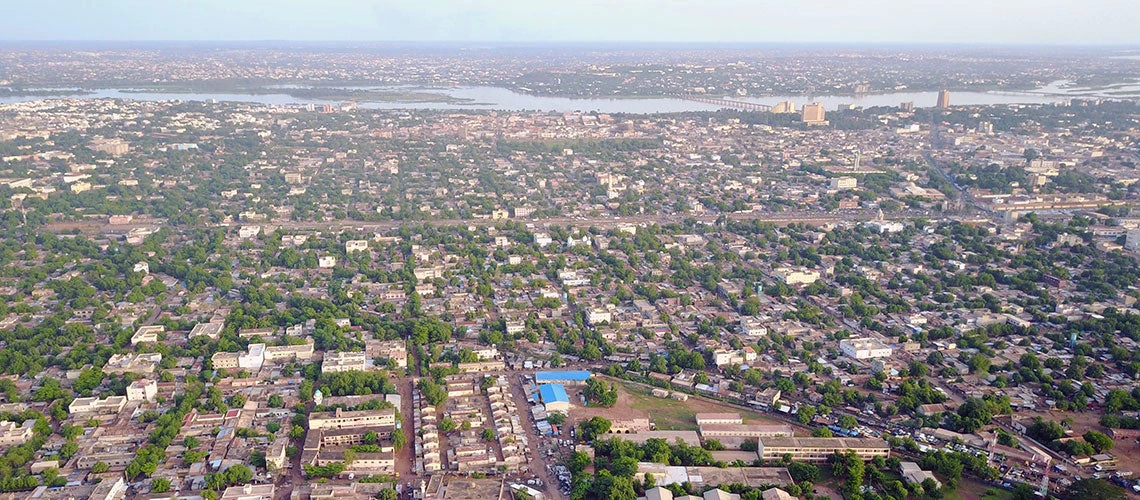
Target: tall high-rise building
<point x="784" y="107"/>
<point x="813" y="114"/>
<point x="907" y="107"/>
<point x="943" y="99"/>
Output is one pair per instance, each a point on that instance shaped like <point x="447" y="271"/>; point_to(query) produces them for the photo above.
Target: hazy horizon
<point x="832" y="22"/>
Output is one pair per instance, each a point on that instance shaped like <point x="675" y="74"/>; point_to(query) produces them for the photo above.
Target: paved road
<point x="603" y="222"/>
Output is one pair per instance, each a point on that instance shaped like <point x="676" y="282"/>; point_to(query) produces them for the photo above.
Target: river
<point x="496" y="98"/>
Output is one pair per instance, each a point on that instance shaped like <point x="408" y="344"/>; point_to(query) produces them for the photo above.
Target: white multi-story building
<point x="752" y="327"/>
<point x="820" y="449"/>
<point x="794" y="277"/>
<point x="224" y="360"/>
<point x="428" y="273"/>
<point x="336" y="362"/>
<point x="881" y="226"/>
<point x="147" y="333"/>
<point x="253" y="358"/>
<point x="864" y="348"/>
<point x="132" y="363"/>
<point x="341" y="419"/>
<point x="12" y="433"/>
<point x="596" y="316"/>
<point x="283" y="353"/>
<point x="247" y="232"/>
<point x="840" y="183"/>
<point x="571" y="278"/>
<point x="213" y="330"/>
<point x="355" y="246"/>
<point x="326" y="262"/>
<point x="142" y="390"/>
<point x="1132" y="240"/>
<point x="95" y="406"/>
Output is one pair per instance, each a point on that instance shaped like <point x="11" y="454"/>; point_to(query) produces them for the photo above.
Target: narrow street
<point x="538" y="462"/>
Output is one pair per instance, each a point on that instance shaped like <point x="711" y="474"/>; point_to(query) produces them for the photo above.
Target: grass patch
<point x="672" y="415"/>
<point x="667" y="414"/>
<point x="969" y="489"/>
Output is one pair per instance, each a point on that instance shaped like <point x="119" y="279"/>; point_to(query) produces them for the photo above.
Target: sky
<point x="1048" y="22"/>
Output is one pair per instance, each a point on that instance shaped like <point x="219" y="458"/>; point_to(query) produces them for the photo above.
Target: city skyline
<point x="1019" y="22"/>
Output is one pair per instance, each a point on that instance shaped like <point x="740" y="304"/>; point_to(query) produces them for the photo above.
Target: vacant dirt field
<point x="636" y="401"/>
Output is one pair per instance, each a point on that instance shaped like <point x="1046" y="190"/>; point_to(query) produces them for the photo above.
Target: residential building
<point x="142" y="390"/>
<point x="225" y="360"/>
<point x="249" y="232"/>
<point x="213" y="330"/>
<point x="148" y="333"/>
<point x="12" y="433"/>
<point x="110" y="405"/>
<point x="109" y="490"/>
<point x="719" y="494"/>
<point x="336" y="362"/>
<point x="776" y="494"/>
<point x="752" y="327"/>
<point x="144" y="363"/>
<point x="249" y="492"/>
<point x="351" y="246"/>
<point x="596" y="316"/>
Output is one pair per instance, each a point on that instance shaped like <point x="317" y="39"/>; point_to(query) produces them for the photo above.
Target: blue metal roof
<point x="553" y="392"/>
<point x="575" y="375"/>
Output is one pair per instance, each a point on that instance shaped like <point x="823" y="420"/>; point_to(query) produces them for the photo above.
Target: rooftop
<point x="575" y="375"/>
<point x="553" y="393"/>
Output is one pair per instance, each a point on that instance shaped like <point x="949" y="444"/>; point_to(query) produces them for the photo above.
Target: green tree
<point x="1099" y="440"/>
<point x="621" y="488"/>
<point x="1099" y="489"/>
<point x="447" y="425"/>
<point x="160" y="485"/>
<point x="594" y="427"/>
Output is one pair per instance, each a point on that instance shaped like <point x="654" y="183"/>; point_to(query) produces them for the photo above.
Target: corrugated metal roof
<point x="553" y="392"/>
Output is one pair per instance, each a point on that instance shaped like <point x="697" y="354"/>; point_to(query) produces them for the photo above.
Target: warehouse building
<point x="562" y="377"/>
<point x="554" y="398"/>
